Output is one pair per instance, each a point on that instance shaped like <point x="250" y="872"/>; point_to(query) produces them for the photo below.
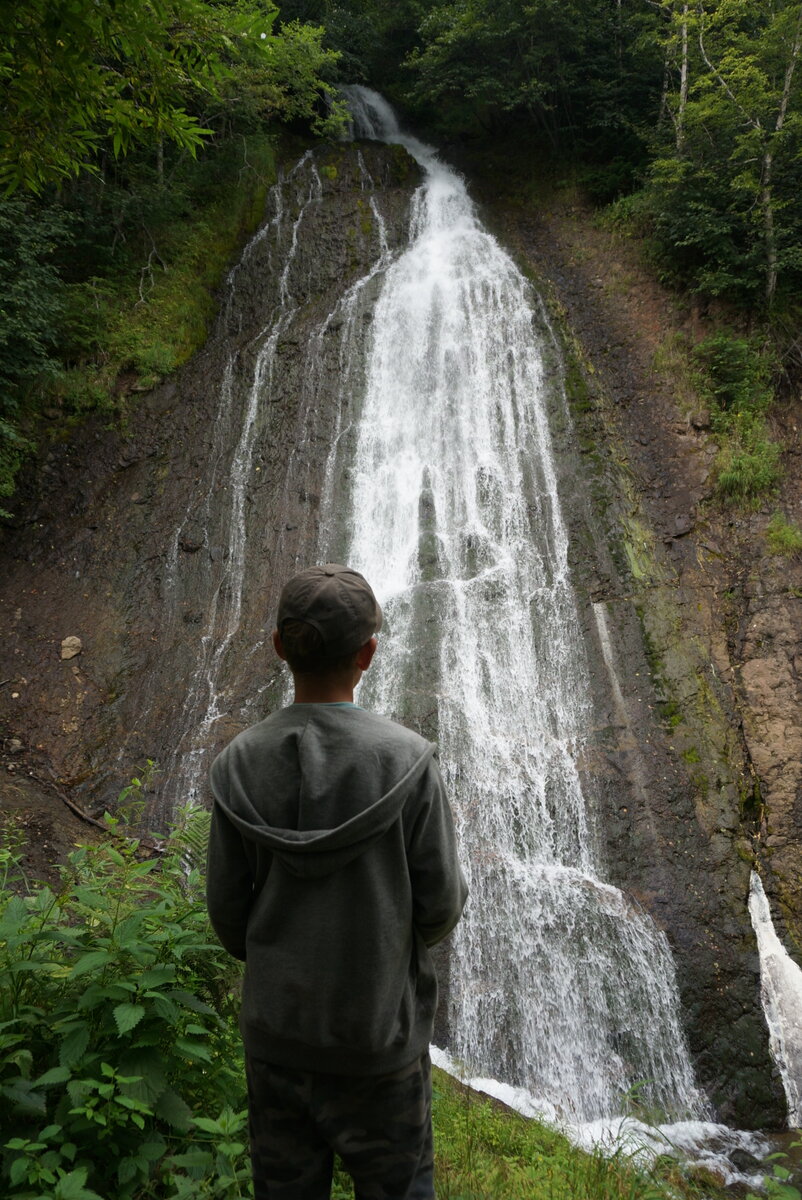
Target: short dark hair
<point x="303" y="650"/>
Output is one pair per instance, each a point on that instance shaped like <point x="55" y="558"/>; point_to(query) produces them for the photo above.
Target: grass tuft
<point x="784" y="537"/>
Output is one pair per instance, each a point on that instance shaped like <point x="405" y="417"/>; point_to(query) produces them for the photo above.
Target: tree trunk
<point x="683" y="82"/>
<point x="766" y="198"/>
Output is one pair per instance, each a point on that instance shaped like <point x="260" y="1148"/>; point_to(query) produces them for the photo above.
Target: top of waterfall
<point x="374" y="119"/>
<point x="371" y="115"/>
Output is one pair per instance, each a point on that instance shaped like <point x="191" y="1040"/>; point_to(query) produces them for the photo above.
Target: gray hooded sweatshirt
<point x="332" y="867"/>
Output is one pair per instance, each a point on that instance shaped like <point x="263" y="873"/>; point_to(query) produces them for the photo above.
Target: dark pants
<point x="381" y="1127"/>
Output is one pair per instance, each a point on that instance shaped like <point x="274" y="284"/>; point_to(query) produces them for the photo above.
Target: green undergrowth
<point x="784" y="537"/>
<point x="149" y="313"/>
<point x="732" y="376"/>
<point x="113" y="286"/>
<point x="121" y="1073"/>
<point x="485" y="1150"/>
<point x="735" y="376"/>
<point x="730" y="372"/>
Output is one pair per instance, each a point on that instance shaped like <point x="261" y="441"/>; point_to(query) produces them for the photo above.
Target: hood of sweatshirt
<point x="317" y="784"/>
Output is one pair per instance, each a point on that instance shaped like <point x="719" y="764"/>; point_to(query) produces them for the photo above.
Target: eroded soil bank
<point x="126" y="542"/>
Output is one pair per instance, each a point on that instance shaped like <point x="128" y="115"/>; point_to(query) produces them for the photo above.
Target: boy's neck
<point x="309" y="690"/>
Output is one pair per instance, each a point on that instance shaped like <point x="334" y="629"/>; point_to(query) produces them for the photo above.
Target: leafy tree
<point x="80" y="75"/>
<point x="727" y="192"/>
<point x="580" y="74"/>
<point x="31" y="304"/>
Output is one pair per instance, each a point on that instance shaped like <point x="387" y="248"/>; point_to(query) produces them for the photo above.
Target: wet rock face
<point x="663" y="761"/>
<point x="128" y="548"/>
<point x="769" y="648"/>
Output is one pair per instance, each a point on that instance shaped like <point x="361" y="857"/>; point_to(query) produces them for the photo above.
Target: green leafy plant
<point x="776" y="1184"/>
<point x="735" y="378"/>
<point x="117" y="1034"/>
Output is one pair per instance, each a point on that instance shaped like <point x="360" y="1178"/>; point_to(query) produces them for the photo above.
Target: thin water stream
<point x="781" y="985"/>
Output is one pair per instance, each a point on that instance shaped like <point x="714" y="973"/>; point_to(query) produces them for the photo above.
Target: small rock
<point x="216" y="553"/>
<point x="682" y="524"/>
<point x="190" y="545"/>
<point x="14" y="746"/>
<point x="70" y="647"/>
<point x="701" y="419"/>
<point x="742" y="1160"/>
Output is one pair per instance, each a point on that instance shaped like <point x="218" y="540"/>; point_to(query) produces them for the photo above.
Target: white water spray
<point x="781" y="987"/>
<point x="559" y="983"/>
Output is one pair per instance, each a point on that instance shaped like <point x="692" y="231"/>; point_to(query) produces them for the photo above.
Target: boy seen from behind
<point x="332" y="868"/>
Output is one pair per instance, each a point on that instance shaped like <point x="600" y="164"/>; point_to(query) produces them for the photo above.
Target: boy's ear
<point x="364" y="654"/>
<point x="277" y="645"/>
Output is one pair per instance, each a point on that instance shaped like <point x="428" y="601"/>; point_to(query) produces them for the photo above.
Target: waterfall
<point x="781" y="988"/>
<point x="559" y="982"/>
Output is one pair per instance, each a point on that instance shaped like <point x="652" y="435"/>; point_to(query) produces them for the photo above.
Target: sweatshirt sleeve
<point x="229" y="880"/>
<point x="439" y="890"/>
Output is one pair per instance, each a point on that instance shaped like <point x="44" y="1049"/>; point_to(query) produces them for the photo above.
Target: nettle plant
<point x="120" y="1063"/>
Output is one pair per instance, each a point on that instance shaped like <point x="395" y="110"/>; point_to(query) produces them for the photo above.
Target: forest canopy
<point x="120" y="121"/>
<point x="84" y="78"/>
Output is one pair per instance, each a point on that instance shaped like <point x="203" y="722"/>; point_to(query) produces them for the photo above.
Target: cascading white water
<point x="246" y="392"/>
<point x="781" y="987"/>
<point x="559" y="982"/>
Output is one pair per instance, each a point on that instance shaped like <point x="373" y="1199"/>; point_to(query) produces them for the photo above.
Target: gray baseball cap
<point x="336" y="601"/>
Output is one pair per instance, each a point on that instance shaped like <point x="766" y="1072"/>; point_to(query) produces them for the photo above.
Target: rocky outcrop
<point x="124" y="549"/>
<point x="769" y="675"/>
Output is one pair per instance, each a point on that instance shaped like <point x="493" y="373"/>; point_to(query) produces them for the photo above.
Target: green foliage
<point x="117" y="1031"/>
<point x="724" y="186"/>
<point x="84" y="78"/>
<point x="776" y="1183"/>
<point x="748" y="464"/>
<point x="737" y="373"/>
<point x="31" y="305"/>
<point x="784" y="537"/>
<point x="578" y="72"/>
<point x="110" y="103"/>
<point x="119" y="280"/>
<point x="735" y="378"/>
<point x="76" y="72"/>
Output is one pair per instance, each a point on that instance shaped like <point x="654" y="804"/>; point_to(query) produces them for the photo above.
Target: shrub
<point x="748" y="464"/>
<point x="118" y="1044"/>
<point x="737" y="372"/>
<point x="735" y="378"/>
